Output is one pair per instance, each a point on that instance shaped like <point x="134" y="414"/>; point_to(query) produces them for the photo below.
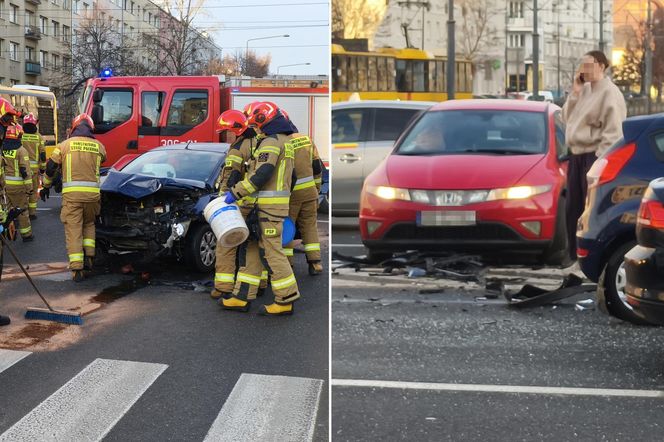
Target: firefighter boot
<point x="77" y="275"/>
<point x="315" y="268"/>
<point x="4" y="320"/>
<point x="275" y="309"/>
<point x="217" y="294"/>
<point x="89" y="263"/>
<point x="234" y="303"/>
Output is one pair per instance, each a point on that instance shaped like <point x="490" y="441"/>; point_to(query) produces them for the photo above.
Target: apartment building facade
<point x="36" y="36"/>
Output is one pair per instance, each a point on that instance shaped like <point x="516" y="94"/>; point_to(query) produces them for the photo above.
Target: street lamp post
<point x="246" y="53"/>
<point x="450" y="51"/>
<point x="289" y="65"/>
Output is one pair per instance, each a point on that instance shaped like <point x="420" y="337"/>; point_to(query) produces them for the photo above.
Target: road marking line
<point x="268" y="408"/>
<point x="359" y="246"/>
<point x="11" y="357"/>
<point x="40" y="209"/>
<point x="89" y="405"/>
<point x="479" y="388"/>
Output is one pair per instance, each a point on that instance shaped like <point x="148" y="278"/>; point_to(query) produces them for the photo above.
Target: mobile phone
<point x="581" y="78"/>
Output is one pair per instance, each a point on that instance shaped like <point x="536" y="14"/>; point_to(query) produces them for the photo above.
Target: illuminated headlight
<point x="517" y="193"/>
<point x="389" y="193"/>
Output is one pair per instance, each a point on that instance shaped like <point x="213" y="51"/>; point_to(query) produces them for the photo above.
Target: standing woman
<point x="594" y="113"/>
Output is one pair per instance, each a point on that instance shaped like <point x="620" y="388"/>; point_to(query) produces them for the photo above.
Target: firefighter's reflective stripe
<point x="25" y="230"/>
<point x="304" y="183"/>
<point x="273" y="197"/>
<point x="46" y="180"/>
<point x="28" y="181"/>
<point x="68" y="161"/>
<point x="80" y="186"/>
<point x="249" y="279"/>
<point x="280" y="176"/>
<point x="76" y="257"/>
<point x="88" y="242"/>
<point x="14" y="181"/>
<point x="248" y="186"/>
<point x="230" y="159"/>
<point x="264" y="275"/>
<point x="32" y="205"/>
<point x="283" y="283"/>
<point x="30" y="137"/>
<point x="34" y="164"/>
<point x="313" y="247"/>
<point x="269" y="149"/>
<point x="318" y="180"/>
<point x="288" y="252"/>
<point x="224" y="277"/>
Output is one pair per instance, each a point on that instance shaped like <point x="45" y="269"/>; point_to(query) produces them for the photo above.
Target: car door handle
<point x="349" y="158"/>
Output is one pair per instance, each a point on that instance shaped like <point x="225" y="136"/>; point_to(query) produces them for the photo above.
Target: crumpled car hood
<point x="139" y="186"/>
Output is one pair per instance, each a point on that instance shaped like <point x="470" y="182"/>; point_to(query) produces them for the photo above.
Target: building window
<point x="29" y="53"/>
<point x="132" y="7"/>
<point x="43" y="25"/>
<point x="42" y="58"/>
<point x="13" y="13"/>
<point x="517" y="40"/>
<point x="86" y="8"/>
<point x="13" y="51"/>
<point x="65" y="33"/>
<point x="29" y="18"/>
<point x="65" y="4"/>
<point x="77" y="4"/>
<point x="516" y="9"/>
<point x="56" y="28"/>
<point x="2" y="50"/>
<point x="55" y="59"/>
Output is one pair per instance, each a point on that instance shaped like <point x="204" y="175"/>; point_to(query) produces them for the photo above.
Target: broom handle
<point x="2" y="238"/>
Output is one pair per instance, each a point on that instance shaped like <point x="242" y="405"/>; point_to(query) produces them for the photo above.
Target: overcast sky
<point x="232" y="22"/>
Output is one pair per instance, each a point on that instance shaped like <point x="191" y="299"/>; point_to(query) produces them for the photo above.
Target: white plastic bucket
<point x="226" y="222"/>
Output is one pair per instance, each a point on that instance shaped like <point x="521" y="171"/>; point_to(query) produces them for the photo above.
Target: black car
<point x="644" y="264"/>
<point x="154" y="205"/>
<point x="606" y="229"/>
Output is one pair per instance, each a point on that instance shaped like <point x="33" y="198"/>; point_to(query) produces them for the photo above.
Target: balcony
<point x="519" y="24"/>
<point x="32" y="32"/>
<point x="32" y="68"/>
<point x="34" y="2"/>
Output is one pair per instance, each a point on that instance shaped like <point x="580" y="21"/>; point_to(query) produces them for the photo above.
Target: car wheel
<point x="611" y="287"/>
<point x="200" y="249"/>
<point x="557" y="254"/>
<point x="377" y="256"/>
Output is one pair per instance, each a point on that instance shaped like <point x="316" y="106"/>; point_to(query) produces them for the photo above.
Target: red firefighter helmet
<point x="232" y="120"/>
<point x="30" y="119"/>
<point x="80" y="119"/>
<point x="263" y="113"/>
<point x="248" y="109"/>
<point x="7" y="112"/>
<point x="14" y="132"/>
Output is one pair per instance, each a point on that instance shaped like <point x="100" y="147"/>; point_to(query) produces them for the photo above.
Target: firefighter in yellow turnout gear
<point x="34" y="143"/>
<point x="18" y="178"/>
<point x="80" y="157"/>
<point x="304" y="200"/>
<point x="234" y="171"/>
<point x="269" y="179"/>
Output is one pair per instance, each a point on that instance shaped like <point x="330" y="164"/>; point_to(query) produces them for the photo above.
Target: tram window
<point x="352" y="74"/>
<point x="409" y="76"/>
<point x="391" y="75"/>
<point x="460" y="80"/>
<point x="419" y="77"/>
<point x="381" y="73"/>
<point x="362" y="73"/>
<point x="402" y="75"/>
<point x="372" y="75"/>
<point x="338" y="73"/>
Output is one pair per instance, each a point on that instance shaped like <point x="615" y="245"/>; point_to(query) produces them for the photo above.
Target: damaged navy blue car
<point x="154" y="205"/>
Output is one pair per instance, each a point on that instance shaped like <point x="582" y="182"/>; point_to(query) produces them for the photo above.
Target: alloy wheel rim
<point x="207" y="249"/>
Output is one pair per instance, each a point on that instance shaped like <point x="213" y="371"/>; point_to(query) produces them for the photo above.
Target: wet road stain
<point x="32" y="334"/>
<point x="115" y="292"/>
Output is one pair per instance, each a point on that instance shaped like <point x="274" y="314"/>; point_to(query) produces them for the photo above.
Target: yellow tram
<point x="395" y="74"/>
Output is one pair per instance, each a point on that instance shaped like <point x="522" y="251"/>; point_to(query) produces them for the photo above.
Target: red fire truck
<point x="135" y="114"/>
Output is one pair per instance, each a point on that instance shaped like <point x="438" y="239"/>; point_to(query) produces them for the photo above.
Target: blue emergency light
<point x="106" y="73"/>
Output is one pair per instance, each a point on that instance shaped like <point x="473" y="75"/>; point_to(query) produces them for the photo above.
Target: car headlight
<point x="517" y="193"/>
<point x="389" y="193"/>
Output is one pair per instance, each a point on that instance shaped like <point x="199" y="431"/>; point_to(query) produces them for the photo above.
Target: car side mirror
<point x="97" y="95"/>
<point x="97" y="114"/>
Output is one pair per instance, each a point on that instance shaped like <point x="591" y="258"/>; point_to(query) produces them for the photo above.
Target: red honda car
<point x="479" y="176"/>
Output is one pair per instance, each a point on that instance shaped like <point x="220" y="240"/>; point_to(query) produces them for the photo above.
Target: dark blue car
<point x="154" y="205"/>
<point x="644" y="264"/>
<point x="606" y="230"/>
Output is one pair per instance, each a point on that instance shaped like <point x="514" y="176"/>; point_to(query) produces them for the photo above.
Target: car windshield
<point x="183" y="164"/>
<point x="497" y="132"/>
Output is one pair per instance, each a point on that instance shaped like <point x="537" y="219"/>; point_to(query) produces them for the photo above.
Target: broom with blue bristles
<point x="48" y="314"/>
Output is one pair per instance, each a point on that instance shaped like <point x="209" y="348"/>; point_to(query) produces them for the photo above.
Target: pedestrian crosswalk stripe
<point x="268" y="408"/>
<point x="11" y="357"/>
<point x="89" y="405"/>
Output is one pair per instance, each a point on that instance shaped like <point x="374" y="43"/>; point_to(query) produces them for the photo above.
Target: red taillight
<point x="651" y="214"/>
<point x="582" y="253"/>
<point x="607" y="169"/>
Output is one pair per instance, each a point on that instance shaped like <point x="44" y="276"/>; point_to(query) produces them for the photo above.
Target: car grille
<point x="488" y="232"/>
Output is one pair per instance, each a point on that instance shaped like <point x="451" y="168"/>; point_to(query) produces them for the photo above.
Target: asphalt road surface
<point x="424" y="359"/>
<point x="158" y="361"/>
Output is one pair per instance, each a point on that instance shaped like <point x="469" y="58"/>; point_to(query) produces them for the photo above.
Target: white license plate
<point x="446" y="218"/>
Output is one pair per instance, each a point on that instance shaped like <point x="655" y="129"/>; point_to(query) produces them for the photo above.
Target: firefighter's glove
<point x="45" y="193"/>
<point x="42" y="171"/>
<point x="230" y="198"/>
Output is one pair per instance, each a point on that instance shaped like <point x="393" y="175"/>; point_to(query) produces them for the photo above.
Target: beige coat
<point x="594" y="118"/>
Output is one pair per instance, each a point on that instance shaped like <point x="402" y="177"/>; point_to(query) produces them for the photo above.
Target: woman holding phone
<point x="593" y="114"/>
